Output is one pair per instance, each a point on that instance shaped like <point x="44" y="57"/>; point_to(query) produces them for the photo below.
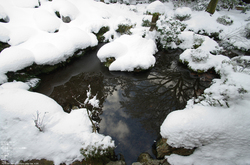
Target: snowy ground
<point x="218" y="123"/>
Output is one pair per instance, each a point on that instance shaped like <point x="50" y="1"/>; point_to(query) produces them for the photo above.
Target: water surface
<point x="134" y="105"/>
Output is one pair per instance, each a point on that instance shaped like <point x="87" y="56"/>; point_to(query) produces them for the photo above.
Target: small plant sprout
<point x="92" y="106"/>
<point x="39" y="121"/>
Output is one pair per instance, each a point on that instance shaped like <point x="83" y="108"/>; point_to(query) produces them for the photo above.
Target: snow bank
<point x="216" y="123"/>
<point x="130" y="52"/>
<point x="62" y="135"/>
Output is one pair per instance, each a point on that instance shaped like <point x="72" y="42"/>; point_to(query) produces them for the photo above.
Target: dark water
<point x="134" y="105"/>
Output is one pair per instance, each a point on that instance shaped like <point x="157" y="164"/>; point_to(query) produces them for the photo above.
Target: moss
<point x="101" y="32"/>
<point x="183" y="17"/>
<point x="124" y="29"/>
<point x="38" y="162"/>
<point x="58" y="14"/>
<point x="109" y="61"/>
<point x="146" y="23"/>
<point x="3" y="46"/>
<point x="97" y="155"/>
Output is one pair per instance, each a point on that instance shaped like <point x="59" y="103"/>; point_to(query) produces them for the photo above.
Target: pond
<point x="134" y="105"/>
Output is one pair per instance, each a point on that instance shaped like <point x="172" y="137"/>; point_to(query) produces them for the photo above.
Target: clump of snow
<point x="156" y="7"/>
<point x="46" y="21"/>
<point x="4" y="34"/>
<point x="65" y="8"/>
<point x="183" y="13"/>
<point x="61" y="135"/>
<point x="25" y="3"/>
<point x="20" y="35"/>
<point x="14" y="58"/>
<point x="130" y="52"/>
<point x="3" y="14"/>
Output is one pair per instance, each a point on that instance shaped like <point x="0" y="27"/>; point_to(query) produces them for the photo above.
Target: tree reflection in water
<point x="167" y="88"/>
<point x="134" y="104"/>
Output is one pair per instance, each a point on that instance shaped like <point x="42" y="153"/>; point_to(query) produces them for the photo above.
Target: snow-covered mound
<point x="61" y="135"/>
<point x="156" y="7"/>
<point x="217" y="123"/>
<point x="130" y="52"/>
<point x="43" y="37"/>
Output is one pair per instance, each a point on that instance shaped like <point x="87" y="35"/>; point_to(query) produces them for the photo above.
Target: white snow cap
<point x="182" y="11"/>
<point x="130" y="52"/>
<point x="156" y="7"/>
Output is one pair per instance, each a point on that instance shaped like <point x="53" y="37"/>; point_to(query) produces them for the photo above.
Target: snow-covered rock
<point x="130" y="53"/>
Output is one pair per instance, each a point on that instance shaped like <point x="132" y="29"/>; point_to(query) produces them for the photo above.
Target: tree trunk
<point x="153" y="21"/>
<point x="212" y="6"/>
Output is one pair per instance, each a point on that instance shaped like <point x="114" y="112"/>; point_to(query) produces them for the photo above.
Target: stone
<point x="119" y="162"/>
<point x="163" y="149"/>
<point x="146" y="159"/>
<point x="66" y="19"/>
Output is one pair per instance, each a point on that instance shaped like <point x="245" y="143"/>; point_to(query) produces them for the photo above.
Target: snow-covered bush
<point x="124" y="29"/>
<point x="197" y="42"/>
<point x="200" y="5"/>
<point x="169" y="30"/>
<point x="146" y="22"/>
<point x="199" y="55"/>
<point x="124" y="25"/>
<point x="225" y="20"/>
<point x="183" y="13"/>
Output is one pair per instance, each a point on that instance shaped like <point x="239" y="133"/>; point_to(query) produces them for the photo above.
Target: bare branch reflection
<point x="151" y="100"/>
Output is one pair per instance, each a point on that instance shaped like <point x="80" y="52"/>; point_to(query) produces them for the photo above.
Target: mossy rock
<point x="146" y="159"/>
<point x="109" y="61"/>
<point x="163" y="149"/>
<point x="101" y="32"/>
<point x="3" y="46"/>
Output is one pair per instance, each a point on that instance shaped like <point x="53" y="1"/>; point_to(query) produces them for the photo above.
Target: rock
<point x="119" y="162"/>
<point x="146" y="159"/>
<point x="163" y="149"/>
<point x="137" y="163"/>
<point x="66" y="19"/>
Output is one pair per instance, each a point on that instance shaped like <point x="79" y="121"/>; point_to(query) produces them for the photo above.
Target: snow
<point x="217" y="123"/>
<point x="130" y="52"/>
<point x="156" y="7"/>
<point x="183" y="11"/>
<point x="46" y="21"/>
<point x="62" y="134"/>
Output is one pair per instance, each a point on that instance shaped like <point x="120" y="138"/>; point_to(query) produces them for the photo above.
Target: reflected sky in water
<point x="134" y="105"/>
